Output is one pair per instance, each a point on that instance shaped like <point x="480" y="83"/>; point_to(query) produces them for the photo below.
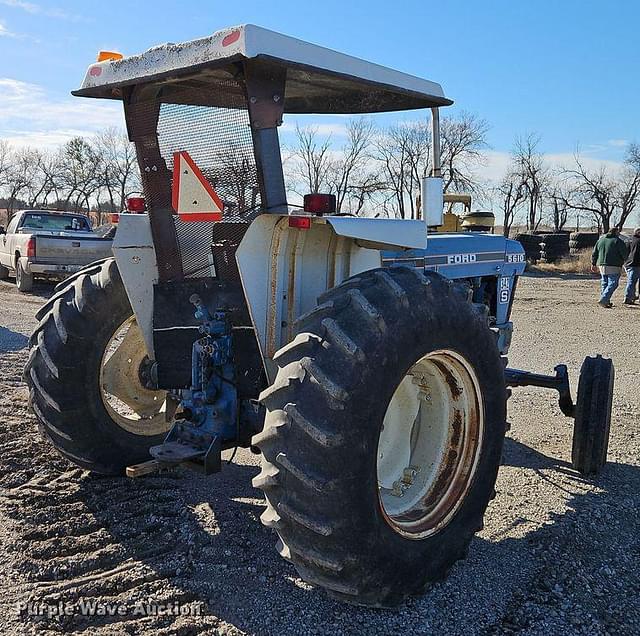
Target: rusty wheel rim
<point x="429" y="444"/>
<point x="130" y="405"/>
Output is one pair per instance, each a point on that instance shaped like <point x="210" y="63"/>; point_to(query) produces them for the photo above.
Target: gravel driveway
<point x="558" y="554"/>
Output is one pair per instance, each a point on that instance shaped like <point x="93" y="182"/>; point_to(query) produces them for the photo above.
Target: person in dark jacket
<point x="632" y="267"/>
<point x="609" y="255"/>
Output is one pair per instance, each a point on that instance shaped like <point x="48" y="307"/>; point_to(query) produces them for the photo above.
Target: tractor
<point x="364" y="358"/>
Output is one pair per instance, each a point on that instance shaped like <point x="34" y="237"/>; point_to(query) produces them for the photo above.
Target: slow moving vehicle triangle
<point x="193" y="198"/>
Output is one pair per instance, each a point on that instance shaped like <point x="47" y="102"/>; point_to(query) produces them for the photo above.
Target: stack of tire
<point x="580" y="241"/>
<point x="554" y="246"/>
<point x="531" y="245"/>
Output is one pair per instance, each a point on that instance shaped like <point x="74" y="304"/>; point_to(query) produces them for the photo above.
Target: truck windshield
<point x="55" y="222"/>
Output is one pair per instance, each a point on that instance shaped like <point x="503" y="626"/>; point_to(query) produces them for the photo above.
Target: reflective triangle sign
<point x="193" y="198"/>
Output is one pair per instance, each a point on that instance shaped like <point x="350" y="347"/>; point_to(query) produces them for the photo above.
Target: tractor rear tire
<point x="63" y="372"/>
<point x="593" y="415"/>
<point x="323" y="471"/>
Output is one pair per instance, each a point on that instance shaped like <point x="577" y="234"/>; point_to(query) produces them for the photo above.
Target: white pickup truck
<point x="48" y="244"/>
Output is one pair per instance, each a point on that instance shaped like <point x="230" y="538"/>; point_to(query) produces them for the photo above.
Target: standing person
<point x="609" y="255"/>
<point x="632" y="267"/>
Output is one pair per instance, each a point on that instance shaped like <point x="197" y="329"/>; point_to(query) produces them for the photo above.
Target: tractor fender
<point x="284" y="269"/>
<point x="136" y="258"/>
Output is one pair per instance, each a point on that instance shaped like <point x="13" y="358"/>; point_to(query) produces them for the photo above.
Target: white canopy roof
<point x="316" y="76"/>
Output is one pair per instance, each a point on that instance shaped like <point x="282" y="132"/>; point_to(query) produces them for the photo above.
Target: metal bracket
<point x="559" y="382"/>
<point x="265" y="83"/>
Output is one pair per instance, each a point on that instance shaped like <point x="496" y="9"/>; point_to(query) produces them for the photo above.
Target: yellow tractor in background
<point x="467" y="221"/>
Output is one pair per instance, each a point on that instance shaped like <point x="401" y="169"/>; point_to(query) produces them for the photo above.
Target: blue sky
<point x="568" y="70"/>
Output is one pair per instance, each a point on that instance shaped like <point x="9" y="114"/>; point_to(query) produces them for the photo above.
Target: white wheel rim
<point x="429" y="444"/>
<point x="130" y="405"/>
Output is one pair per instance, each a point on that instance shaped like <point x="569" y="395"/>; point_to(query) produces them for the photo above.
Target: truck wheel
<point x="383" y="435"/>
<point x="24" y="281"/>
<point x="83" y="373"/>
<point x="593" y="415"/>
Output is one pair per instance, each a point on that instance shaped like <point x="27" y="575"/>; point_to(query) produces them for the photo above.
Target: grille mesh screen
<point x="218" y="138"/>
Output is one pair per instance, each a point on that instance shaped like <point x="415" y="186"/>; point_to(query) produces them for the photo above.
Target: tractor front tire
<point x="593" y="415"/>
<point x="68" y="348"/>
<point x="383" y="435"/>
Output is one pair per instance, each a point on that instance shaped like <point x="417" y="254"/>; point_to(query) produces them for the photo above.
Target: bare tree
<point x="119" y="167"/>
<point x="82" y="173"/>
<point x="534" y="175"/>
<point x="311" y="160"/>
<point x="235" y="177"/>
<point x="633" y="156"/>
<point x="609" y="198"/>
<point x="555" y="195"/>
<point x="591" y="191"/>
<point x="513" y="194"/>
<point x="41" y="178"/>
<point x="627" y="194"/>
<point x="75" y="176"/>
<point x="391" y="153"/>
<point x="51" y="169"/>
<point x="560" y="213"/>
<point x="367" y="184"/>
<point x="5" y="162"/>
<point x="403" y="152"/>
<point x="19" y="175"/>
<point x="351" y="165"/>
<point x="386" y="165"/>
<point x="463" y="140"/>
<point x="629" y="188"/>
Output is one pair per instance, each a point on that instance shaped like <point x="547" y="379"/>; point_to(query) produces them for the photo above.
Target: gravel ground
<point x="558" y="554"/>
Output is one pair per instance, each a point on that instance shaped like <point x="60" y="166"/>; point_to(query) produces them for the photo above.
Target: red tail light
<point x="31" y="247"/>
<point x="136" y="205"/>
<point x="301" y="222"/>
<point x="320" y="203"/>
<point x="115" y="218"/>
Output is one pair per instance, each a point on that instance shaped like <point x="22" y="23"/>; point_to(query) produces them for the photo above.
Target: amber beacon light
<point x="104" y="56"/>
